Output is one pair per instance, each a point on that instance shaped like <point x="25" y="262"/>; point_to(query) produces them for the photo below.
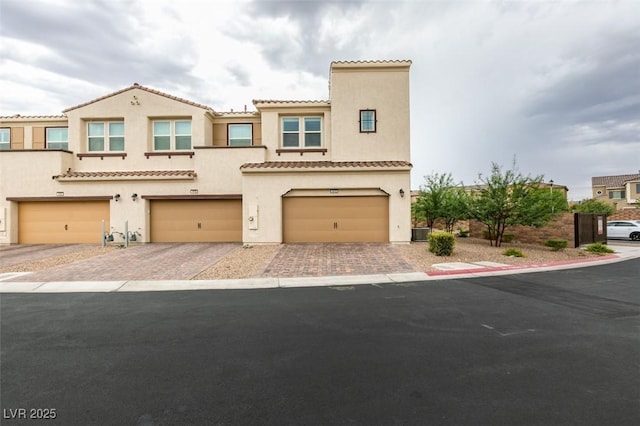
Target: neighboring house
<point x="622" y="191"/>
<point x="178" y="171"/>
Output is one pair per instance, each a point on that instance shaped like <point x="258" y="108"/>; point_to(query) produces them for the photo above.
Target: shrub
<point x="556" y="244"/>
<point x="441" y="243"/>
<point x="511" y="252"/>
<point x="599" y="248"/>
<point x="463" y="233"/>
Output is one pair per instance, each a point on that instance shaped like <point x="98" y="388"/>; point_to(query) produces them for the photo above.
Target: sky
<point x="551" y="85"/>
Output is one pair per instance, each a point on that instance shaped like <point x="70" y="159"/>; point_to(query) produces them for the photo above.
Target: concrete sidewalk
<point x="454" y="270"/>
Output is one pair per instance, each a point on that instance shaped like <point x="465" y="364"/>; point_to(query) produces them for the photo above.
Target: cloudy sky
<point x="555" y="84"/>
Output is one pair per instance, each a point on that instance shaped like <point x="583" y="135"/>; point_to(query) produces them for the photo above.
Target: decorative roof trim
<point x="262" y="103"/>
<point x="34" y="117"/>
<point x="324" y="165"/>
<point x="236" y="114"/>
<point x="70" y="176"/>
<point x="146" y="89"/>
<point x="396" y="63"/>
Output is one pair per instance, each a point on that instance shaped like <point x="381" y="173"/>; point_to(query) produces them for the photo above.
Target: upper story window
<point x="301" y="132"/>
<point x="171" y="135"/>
<point x="617" y="195"/>
<point x="106" y="136"/>
<point x="57" y="138"/>
<point x="367" y="121"/>
<point x="240" y="134"/>
<point x="5" y="139"/>
<point x="637" y="188"/>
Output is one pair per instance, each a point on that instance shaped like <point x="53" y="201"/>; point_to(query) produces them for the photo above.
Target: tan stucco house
<point x="174" y="170"/>
<point x="621" y="191"/>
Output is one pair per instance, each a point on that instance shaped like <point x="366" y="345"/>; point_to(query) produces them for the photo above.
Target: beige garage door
<point x="184" y="221"/>
<point x="335" y="219"/>
<point x="55" y="222"/>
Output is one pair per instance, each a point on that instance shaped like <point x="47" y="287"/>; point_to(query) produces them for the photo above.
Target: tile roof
<point x="33" y="117"/>
<point x="128" y="175"/>
<point x="382" y="61"/>
<point x="294" y="102"/>
<point x="325" y="165"/>
<point x="146" y="89"/>
<point x="613" y="181"/>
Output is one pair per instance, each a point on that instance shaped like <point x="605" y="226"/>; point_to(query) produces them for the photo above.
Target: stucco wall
<point x="138" y="130"/>
<point x="385" y="89"/>
<point x="263" y="192"/>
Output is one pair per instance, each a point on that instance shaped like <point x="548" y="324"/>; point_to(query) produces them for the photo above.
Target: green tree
<point x="591" y="205"/>
<point x="507" y="198"/>
<point x="455" y="206"/>
<point x="430" y="202"/>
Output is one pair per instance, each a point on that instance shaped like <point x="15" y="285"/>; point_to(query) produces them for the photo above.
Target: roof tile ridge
<point x="141" y="87"/>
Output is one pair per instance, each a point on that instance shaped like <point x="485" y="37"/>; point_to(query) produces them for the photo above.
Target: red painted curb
<point x="516" y="267"/>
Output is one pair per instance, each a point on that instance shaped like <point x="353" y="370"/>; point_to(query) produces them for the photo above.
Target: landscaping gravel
<point x="469" y="250"/>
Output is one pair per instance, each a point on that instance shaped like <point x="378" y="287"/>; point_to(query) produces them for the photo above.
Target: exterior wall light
<point x="116" y="197"/>
<point x="401" y="192"/>
<point x="134" y="197"/>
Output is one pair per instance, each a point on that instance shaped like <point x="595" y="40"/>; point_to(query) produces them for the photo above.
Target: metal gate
<point x="590" y="228"/>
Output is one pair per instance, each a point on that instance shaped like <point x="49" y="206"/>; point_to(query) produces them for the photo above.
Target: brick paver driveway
<point x="183" y="261"/>
<point x="16" y="254"/>
<point x="312" y="260"/>
<point x="157" y="261"/>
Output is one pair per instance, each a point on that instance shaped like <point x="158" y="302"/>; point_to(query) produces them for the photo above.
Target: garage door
<point x="196" y="221"/>
<point x="335" y="219"/>
<point x="56" y="222"/>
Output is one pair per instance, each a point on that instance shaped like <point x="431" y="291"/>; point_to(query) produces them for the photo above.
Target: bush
<point x="441" y="243"/>
<point x="599" y="248"/>
<point x="463" y="233"/>
<point x="513" y="253"/>
<point x="556" y="244"/>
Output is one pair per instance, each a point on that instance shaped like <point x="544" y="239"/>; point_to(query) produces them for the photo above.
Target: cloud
<point x="553" y="83"/>
<point x="106" y="43"/>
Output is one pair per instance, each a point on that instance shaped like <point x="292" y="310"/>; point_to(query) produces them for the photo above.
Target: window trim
<point x="622" y="192"/>
<point x="46" y="137"/>
<point x="229" y="125"/>
<point x="8" y="143"/>
<point x="302" y="132"/>
<point x="106" y="136"/>
<point x="172" y="135"/>
<point x="374" y="122"/>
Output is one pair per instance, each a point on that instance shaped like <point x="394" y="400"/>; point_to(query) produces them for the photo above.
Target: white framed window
<point x="57" y="138"/>
<point x="5" y="139"/>
<point x="171" y="135"/>
<point x="301" y="132"/>
<point x="240" y="134"/>
<point x="367" y="121"/>
<point x="105" y="136"/>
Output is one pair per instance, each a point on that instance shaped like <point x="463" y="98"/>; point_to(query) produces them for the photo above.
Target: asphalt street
<point x="549" y="348"/>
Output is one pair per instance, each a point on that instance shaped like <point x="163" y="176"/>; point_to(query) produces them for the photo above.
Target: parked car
<point x="624" y="229"/>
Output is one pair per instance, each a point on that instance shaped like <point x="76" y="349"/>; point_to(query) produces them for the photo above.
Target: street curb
<point x="535" y="266"/>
